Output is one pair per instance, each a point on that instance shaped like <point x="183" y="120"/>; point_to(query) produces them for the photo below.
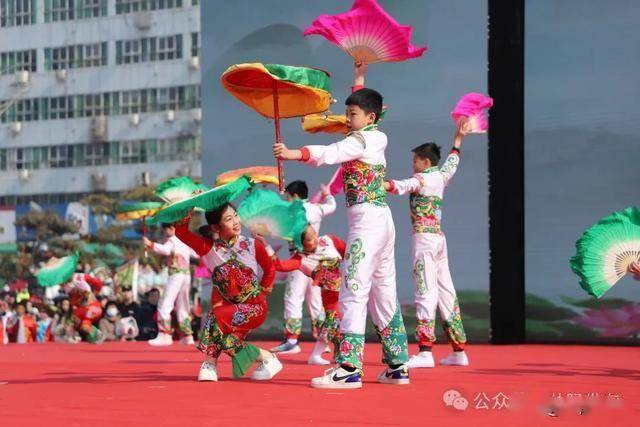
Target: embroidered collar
<point x="431" y="169"/>
<point x="373" y="126"/>
<point x="223" y="243"/>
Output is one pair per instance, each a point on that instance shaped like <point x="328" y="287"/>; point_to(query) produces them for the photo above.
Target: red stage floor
<point x="127" y="384"/>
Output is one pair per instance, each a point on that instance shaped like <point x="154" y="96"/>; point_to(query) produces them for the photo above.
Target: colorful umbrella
<point x="279" y="91"/>
<point x="266" y="214"/>
<point x="473" y="106"/>
<point x="606" y="250"/>
<point x="139" y="210"/>
<point x="207" y="200"/>
<point x="257" y="174"/>
<point x="367" y="33"/>
<point x="57" y="270"/>
<point x="180" y="188"/>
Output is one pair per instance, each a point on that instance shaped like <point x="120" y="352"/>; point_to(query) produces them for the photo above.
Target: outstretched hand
<point x="634" y="268"/>
<point x="325" y="190"/>
<point x="147" y="243"/>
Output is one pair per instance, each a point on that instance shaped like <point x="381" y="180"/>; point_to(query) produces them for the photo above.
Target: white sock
<point x="292" y="341"/>
<point x="318" y="349"/>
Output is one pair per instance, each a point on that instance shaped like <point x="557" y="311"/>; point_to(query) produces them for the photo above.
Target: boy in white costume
<point x="370" y="277"/>
<point x="176" y="292"/>
<point x="433" y="284"/>
<point x="300" y="286"/>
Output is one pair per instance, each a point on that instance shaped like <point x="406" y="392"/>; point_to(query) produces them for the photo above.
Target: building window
<point x="133" y="152"/>
<point x="60" y="108"/>
<point x="195" y="44"/>
<point x="169" y="47"/>
<point x="131" y="102"/>
<point x="149" y="49"/>
<point x="128" y="52"/>
<point x="96" y="154"/>
<point x="61" y="156"/>
<point x="27" y="110"/>
<point x="95" y="105"/>
<point x="66" y="10"/>
<point x="129" y="6"/>
<point x="78" y="56"/>
<point x="95" y="55"/>
<point x="168" y="99"/>
<point x="22" y="60"/>
<point x="17" y="12"/>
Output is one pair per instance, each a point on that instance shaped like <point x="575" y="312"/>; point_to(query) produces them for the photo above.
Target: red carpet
<point x="132" y="384"/>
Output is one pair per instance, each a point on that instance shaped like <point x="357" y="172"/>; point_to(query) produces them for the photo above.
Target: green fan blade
<point x="209" y="200"/>
<point x="175" y="189"/>
<point x="265" y="213"/>
<point x="58" y="272"/>
<point x="605" y="251"/>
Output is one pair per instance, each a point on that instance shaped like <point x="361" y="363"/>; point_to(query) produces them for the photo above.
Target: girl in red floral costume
<point x="320" y="260"/>
<point x="243" y="275"/>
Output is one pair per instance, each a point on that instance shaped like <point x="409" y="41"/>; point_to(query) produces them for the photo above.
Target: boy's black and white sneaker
<point x="398" y="376"/>
<point x="338" y="377"/>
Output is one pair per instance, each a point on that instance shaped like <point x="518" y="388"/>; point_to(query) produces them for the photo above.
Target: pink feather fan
<point x="367" y="33"/>
<point x="473" y="106"/>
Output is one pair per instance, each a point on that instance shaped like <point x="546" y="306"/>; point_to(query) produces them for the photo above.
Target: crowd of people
<point x="106" y="309"/>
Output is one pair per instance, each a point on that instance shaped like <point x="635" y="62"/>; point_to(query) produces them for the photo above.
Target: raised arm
<point x="328" y="204"/>
<point x="401" y="187"/>
<point x="160" y="248"/>
<point x="200" y="245"/>
<point x="267" y="266"/>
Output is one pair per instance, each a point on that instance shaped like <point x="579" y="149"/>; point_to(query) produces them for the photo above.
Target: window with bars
<point x="130" y="6"/>
<point x="96" y="154"/>
<point x="21" y="60"/>
<point x="17" y="12"/>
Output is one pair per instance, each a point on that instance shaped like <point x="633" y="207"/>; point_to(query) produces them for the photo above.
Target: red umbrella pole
<point x="276" y="123"/>
<point x="144" y="234"/>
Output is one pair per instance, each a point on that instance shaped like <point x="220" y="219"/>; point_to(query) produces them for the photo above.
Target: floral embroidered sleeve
<point x="287" y="265"/>
<point x="199" y="244"/>
<point x="405" y="186"/>
<point x="350" y="148"/>
<point x="267" y="266"/>
<point x="450" y="166"/>
<point x="340" y="245"/>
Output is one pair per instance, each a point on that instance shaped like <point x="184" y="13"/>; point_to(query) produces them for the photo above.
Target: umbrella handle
<point x="144" y="234"/>
<point x="276" y="123"/>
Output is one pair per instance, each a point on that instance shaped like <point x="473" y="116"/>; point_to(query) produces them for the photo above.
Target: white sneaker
<point x="188" y="340"/>
<point x="398" y="376"/>
<point x="457" y="358"/>
<point x="286" y="348"/>
<point x="316" y="359"/>
<point x="337" y="377"/>
<point x="424" y="359"/>
<point x="161" y="340"/>
<point x="208" y="372"/>
<point x="327" y="349"/>
<point x="267" y="369"/>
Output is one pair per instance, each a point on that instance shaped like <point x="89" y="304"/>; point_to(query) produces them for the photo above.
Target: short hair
<point x="165" y="225"/>
<point x="368" y="99"/>
<point x="205" y="231"/>
<point x="428" y="150"/>
<point x="298" y="188"/>
<point x="214" y="217"/>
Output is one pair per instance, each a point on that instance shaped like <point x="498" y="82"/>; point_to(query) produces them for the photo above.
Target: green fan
<point x="265" y="213"/>
<point x="57" y="270"/>
<point x="606" y="250"/>
<point x="176" y="189"/>
<point x="206" y="201"/>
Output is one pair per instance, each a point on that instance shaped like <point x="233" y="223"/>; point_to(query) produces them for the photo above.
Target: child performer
<point x="320" y="260"/>
<point x="434" y="286"/>
<point x="176" y="292"/>
<point x="87" y="310"/>
<point x="370" y="270"/>
<point x="243" y="274"/>
<point x="300" y="286"/>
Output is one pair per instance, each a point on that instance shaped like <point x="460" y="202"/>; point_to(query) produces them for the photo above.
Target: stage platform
<point x="133" y="384"/>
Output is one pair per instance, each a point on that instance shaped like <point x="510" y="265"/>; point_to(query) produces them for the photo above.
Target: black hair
<point x="304" y="233"/>
<point x="368" y="99"/>
<point x="428" y="150"/>
<point x="298" y="188"/>
<point x="205" y="231"/>
<point x="165" y="225"/>
<point x="215" y="216"/>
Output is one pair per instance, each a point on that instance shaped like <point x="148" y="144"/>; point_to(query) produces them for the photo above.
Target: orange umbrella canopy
<point x="257" y="174"/>
<point x="300" y="90"/>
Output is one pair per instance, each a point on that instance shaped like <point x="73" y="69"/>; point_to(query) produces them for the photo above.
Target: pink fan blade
<point x="335" y="186"/>
<point x="367" y="33"/>
<point x="473" y="106"/>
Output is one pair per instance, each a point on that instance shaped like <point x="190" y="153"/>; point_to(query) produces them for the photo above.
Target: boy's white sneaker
<point x="316" y="359"/>
<point x="338" y="377"/>
<point x="267" y="369"/>
<point x="424" y="359"/>
<point x="188" y="340"/>
<point x="208" y="372"/>
<point x="457" y="358"/>
<point x="161" y="340"/>
<point x="397" y="376"/>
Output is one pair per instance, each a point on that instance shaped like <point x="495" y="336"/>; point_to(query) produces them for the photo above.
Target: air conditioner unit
<point x="24" y="174"/>
<point x="134" y="119"/>
<point x="61" y="75"/>
<point x="22" y="78"/>
<point x="194" y="62"/>
<point x="98" y="181"/>
<point x="142" y="20"/>
<point x="99" y="127"/>
<point x="16" y="127"/>
<point x="197" y="115"/>
<point x="170" y="115"/>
